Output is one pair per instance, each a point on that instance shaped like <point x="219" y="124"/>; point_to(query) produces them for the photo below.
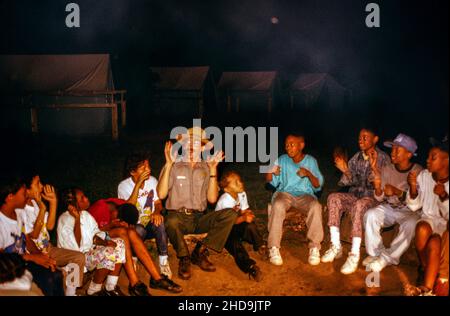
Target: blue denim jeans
<point x="157" y="232"/>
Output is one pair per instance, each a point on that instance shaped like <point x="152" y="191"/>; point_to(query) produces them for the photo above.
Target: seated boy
<point x="391" y="186"/>
<point x="357" y="175"/>
<point x="234" y="197"/>
<point x="139" y="189"/>
<point x="38" y="222"/>
<point x="13" y="240"/>
<point x="296" y="177"/>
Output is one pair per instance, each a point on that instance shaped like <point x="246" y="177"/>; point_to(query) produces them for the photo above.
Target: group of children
<point x="380" y="191"/>
<point x="102" y="238"/>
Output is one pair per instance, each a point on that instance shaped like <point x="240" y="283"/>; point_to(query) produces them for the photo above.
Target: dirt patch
<point x="294" y="278"/>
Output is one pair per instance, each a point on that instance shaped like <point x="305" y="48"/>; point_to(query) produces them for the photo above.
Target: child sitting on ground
<point x="78" y="230"/>
<point x="38" y="222"/>
<point x="119" y="219"/>
<point x="429" y="191"/>
<point x="139" y="189"/>
<point x="245" y="229"/>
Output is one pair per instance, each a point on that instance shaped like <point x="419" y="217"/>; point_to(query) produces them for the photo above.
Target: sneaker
<point x="165" y="269"/>
<point x="139" y="289"/>
<point x="368" y="260"/>
<point x="331" y="254"/>
<point x="102" y="292"/>
<point x="275" y="257"/>
<point x="314" y="256"/>
<point x="351" y="264"/>
<point x="377" y="265"/>
<point x="165" y="284"/>
<point x="115" y="292"/>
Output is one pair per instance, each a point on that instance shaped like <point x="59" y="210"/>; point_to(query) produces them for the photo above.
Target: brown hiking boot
<point x="200" y="257"/>
<point x="184" y="268"/>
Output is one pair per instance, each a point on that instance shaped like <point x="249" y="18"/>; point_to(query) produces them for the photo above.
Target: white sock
<point x="163" y="260"/>
<point x="335" y="236"/>
<point x="94" y="288"/>
<point x="356" y="244"/>
<point x="70" y="291"/>
<point x="111" y="282"/>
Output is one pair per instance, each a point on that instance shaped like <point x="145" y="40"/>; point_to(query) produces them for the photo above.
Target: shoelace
<point x="274" y="252"/>
<point x="353" y="258"/>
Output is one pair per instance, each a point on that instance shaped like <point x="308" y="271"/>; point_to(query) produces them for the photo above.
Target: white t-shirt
<point x="29" y="216"/>
<point x="12" y="234"/>
<point x="432" y="207"/>
<point x="147" y="197"/>
<point x="66" y="233"/>
<point x="227" y="201"/>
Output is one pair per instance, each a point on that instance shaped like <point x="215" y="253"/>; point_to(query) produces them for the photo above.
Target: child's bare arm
<point x="50" y="196"/>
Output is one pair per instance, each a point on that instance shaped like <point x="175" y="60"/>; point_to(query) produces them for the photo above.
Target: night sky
<point x="402" y="65"/>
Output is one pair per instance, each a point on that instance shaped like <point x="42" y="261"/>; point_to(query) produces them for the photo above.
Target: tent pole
<point x="114" y="122"/>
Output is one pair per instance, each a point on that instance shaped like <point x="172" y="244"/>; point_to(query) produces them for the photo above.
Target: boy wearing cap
<point x="391" y="184"/>
<point x="189" y="185"/>
<point x="357" y="175"/>
<point x="429" y="191"/>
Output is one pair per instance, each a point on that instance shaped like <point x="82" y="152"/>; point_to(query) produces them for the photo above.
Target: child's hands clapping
<point x="248" y="216"/>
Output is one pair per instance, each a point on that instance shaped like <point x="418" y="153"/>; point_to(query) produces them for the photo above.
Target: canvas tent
<point x="182" y="90"/>
<point x="63" y="94"/>
<point x="317" y="89"/>
<point x="249" y="90"/>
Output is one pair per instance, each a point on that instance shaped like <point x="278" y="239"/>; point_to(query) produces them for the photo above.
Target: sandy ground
<point x="294" y="278"/>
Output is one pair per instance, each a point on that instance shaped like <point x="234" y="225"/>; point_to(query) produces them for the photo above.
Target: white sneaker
<point x="275" y="257"/>
<point x="314" y="256"/>
<point x="351" y="264"/>
<point x="331" y="254"/>
<point x="368" y="260"/>
<point x="165" y="269"/>
<point x="377" y="265"/>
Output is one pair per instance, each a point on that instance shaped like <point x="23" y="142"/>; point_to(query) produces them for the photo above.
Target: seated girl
<point x="77" y="230"/>
<point x="119" y="219"/>
<point x="429" y="191"/>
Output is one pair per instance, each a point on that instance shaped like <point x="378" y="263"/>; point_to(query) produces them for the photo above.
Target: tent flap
<point x="180" y="78"/>
<point x="247" y="81"/>
<point x="49" y="73"/>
